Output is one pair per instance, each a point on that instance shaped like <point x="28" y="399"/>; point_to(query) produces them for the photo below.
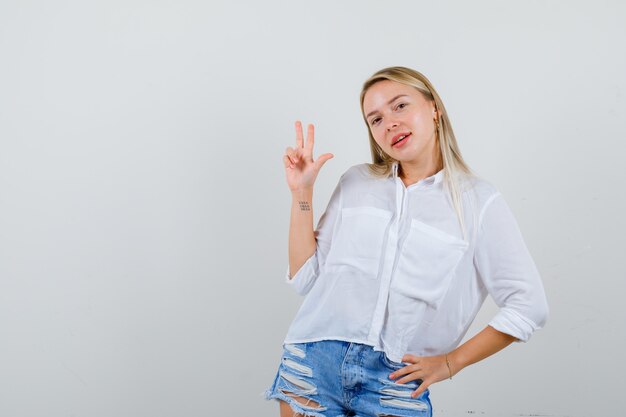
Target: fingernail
<point x="391" y="376"/>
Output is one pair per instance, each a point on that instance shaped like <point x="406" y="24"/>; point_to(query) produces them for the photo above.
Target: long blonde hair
<point x="454" y="166"/>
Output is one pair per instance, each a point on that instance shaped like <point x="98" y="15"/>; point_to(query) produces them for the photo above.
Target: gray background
<point x="144" y="211"/>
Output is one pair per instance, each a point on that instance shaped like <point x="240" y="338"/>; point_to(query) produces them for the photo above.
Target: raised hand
<point x="300" y="168"/>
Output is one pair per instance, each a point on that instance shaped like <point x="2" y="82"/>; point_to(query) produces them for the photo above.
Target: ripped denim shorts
<point x="332" y="378"/>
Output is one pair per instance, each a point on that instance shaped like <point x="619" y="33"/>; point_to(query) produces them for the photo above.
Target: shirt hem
<point x="321" y="338"/>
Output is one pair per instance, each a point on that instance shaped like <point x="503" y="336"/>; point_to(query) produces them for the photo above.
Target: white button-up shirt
<point x="392" y="269"/>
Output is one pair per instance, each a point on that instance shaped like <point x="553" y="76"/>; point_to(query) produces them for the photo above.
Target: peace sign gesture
<point x="300" y="168"/>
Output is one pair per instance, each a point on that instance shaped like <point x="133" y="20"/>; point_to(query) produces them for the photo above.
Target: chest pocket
<point x="357" y="245"/>
<point x="427" y="261"/>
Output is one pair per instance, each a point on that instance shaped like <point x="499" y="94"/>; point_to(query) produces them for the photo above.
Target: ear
<point x="436" y="114"/>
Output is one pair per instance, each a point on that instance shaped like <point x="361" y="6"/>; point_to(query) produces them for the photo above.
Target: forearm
<point x="479" y="347"/>
<point x="302" y="243"/>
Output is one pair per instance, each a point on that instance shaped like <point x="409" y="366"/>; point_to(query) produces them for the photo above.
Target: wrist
<point x="302" y="201"/>
<point x="302" y="193"/>
<point x="455" y="362"/>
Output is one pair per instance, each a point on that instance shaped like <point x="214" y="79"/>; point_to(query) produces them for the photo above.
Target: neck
<point x="412" y="172"/>
<point x="429" y="164"/>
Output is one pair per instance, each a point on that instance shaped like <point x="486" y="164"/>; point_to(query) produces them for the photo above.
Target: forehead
<point x="379" y="94"/>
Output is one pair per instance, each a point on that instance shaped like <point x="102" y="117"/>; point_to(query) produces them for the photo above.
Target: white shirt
<point x="392" y="270"/>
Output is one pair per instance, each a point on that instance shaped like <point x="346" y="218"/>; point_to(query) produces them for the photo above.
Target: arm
<point x="432" y="369"/>
<point x="301" y="171"/>
<point x="301" y="236"/>
<point x="303" y="279"/>
<point x="509" y="274"/>
<point x="482" y="345"/>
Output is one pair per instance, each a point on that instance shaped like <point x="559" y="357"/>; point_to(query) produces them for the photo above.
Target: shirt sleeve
<point x="303" y="280"/>
<point x="508" y="272"/>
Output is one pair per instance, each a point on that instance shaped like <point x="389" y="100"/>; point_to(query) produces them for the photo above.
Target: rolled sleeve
<point x="508" y="272"/>
<point x="304" y="279"/>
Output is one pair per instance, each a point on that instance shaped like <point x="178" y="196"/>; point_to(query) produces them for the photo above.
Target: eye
<point x="400" y="106"/>
<point x="375" y="121"/>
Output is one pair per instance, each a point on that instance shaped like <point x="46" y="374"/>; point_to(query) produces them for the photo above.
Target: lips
<point x="400" y="139"/>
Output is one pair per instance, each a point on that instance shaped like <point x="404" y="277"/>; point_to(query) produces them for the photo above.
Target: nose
<point x="392" y="124"/>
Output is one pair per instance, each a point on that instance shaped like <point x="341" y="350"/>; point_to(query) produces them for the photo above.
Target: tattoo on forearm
<point x="304" y="206"/>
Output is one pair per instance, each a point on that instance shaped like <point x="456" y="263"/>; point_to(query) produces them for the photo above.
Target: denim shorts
<point x="344" y="379"/>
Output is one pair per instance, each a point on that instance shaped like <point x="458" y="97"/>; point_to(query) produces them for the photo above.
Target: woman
<point x="401" y="261"/>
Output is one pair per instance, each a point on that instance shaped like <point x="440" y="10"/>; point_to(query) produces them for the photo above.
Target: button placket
<point x="391" y="246"/>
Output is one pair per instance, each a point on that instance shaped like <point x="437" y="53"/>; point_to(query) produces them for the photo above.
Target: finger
<point x="399" y="372"/>
<point x="293" y="154"/>
<point x="411" y="358"/>
<point x="299" y="136"/>
<point x="418" y="374"/>
<point x="310" y="137"/>
<point x="420" y="390"/>
<point x="287" y="162"/>
<point x="406" y="369"/>
<point x="321" y="160"/>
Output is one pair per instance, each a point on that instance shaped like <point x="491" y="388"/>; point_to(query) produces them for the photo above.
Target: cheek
<point x="425" y="124"/>
<point x="378" y="135"/>
<point x="379" y="142"/>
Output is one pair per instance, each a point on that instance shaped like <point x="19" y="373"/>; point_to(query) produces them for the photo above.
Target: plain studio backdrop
<point x="144" y="211"/>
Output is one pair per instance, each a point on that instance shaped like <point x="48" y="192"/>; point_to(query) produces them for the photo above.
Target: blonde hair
<point x="454" y="166"/>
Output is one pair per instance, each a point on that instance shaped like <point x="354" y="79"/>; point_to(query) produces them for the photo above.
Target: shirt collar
<point x="432" y="180"/>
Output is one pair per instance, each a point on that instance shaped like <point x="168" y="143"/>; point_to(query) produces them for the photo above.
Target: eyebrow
<point x="389" y="102"/>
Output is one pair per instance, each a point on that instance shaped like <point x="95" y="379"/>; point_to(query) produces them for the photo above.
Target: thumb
<point x="321" y="160"/>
